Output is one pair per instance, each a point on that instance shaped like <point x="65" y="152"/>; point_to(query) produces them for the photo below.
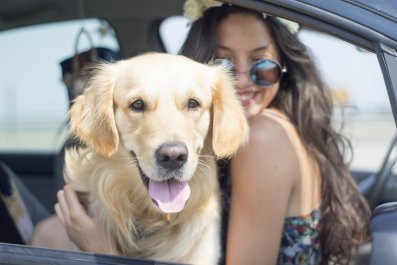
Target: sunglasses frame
<point x="229" y="65"/>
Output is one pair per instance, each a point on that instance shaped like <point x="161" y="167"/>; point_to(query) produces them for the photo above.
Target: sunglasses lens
<point x="266" y="72"/>
<point x="227" y="64"/>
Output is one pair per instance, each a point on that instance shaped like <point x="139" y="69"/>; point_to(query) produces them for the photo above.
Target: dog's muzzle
<point x="169" y="194"/>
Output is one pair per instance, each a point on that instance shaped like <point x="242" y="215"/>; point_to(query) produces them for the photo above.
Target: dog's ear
<point x="91" y="115"/>
<point x="230" y="127"/>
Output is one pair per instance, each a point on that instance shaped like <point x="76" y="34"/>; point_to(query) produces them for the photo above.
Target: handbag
<point x="73" y="67"/>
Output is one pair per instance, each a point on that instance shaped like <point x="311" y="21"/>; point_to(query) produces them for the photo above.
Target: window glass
<point x="360" y="96"/>
<point x="173" y="31"/>
<point x="362" y="108"/>
<point x="33" y="99"/>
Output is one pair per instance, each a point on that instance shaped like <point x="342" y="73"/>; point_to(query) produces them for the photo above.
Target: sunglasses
<point x="264" y="72"/>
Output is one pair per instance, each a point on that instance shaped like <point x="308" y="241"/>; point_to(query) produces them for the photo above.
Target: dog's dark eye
<point x="193" y="104"/>
<point x="137" y="105"/>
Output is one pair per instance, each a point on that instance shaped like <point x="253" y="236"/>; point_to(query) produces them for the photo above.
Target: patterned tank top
<point x="300" y="242"/>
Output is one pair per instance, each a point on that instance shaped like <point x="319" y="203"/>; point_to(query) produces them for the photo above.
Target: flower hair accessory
<point x="194" y="9"/>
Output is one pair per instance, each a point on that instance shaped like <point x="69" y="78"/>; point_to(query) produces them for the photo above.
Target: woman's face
<point x="245" y="39"/>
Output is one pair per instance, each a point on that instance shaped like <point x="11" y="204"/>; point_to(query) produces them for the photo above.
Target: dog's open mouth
<point x="169" y="195"/>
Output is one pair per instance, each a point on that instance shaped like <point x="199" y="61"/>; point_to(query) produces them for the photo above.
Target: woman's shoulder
<point x="272" y="128"/>
<point x="272" y="142"/>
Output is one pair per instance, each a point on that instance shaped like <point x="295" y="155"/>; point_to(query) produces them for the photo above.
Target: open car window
<point x="361" y="104"/>
<point x="33" y="98"/>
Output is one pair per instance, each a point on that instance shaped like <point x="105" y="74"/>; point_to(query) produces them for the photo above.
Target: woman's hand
<point x="86" y="232"/>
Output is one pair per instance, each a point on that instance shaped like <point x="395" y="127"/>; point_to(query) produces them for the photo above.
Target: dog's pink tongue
<point x="170" y="196"/>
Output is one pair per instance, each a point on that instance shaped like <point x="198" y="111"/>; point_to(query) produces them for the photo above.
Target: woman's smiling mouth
<point x="246" y="97"/>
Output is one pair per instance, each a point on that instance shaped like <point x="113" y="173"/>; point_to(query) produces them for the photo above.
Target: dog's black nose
<point x="172" y="156"/>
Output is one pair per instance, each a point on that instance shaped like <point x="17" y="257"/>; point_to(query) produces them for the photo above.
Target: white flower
<point x="194" y="9"/>
<point x="291" y="26"/>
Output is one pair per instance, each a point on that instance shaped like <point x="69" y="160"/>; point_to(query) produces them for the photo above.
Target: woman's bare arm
<point x="263" y="174"/>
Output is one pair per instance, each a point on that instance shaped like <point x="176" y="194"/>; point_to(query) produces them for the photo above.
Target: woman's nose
<point x="243" y="79"/>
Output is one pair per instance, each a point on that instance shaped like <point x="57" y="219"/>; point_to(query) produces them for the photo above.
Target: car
<point x="354" y="42"/>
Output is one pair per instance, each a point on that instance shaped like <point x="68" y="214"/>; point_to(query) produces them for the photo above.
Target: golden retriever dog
<point x="153" y="127"/>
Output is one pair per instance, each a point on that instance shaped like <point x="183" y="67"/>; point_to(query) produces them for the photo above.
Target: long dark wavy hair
<point x="303" y="97"/>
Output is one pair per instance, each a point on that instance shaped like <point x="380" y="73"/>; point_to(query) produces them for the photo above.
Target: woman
<point x="292" y="198"/>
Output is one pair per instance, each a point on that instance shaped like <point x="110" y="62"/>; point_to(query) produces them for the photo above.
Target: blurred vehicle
<point x="353" y="41"/>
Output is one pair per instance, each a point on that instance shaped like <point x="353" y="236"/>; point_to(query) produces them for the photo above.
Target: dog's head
<point x="167" y="112"/>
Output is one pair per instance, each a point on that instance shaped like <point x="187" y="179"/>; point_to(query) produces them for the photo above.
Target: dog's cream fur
<point x="120" y="138"/>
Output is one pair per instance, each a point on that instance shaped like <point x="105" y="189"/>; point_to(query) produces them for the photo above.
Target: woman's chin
<point x="249" y="113"/>
<point x="251" y="105"/>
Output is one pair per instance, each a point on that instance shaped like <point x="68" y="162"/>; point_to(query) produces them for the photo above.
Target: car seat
<point x="384" y="234"/>
<point x="20" y="210"/>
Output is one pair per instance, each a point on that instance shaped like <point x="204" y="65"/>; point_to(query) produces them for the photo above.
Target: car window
<point x="362" y="107"/>
<point x="173" y="31"/>
<point x="33" y="97"/>
<point x="360" y="96"/>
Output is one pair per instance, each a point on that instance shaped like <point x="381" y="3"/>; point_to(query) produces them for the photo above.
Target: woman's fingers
<point x="69" y="209"/>
<point x="59" y="213"/>
<point x="76" y="209"/>
<point x="70" y="194"/>
<point x="86" y="232"/>
<point x="63" y="208"/>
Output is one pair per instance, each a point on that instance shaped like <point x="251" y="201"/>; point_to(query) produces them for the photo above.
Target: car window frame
<point x="387" y="58"/>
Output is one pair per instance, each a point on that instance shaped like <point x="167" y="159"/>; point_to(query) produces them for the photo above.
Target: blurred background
<point x="30" y="68"/>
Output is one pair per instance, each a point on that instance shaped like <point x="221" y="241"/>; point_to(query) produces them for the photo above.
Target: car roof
<point x="135" y="21"/>
<point x="375" y="20"/>
<point x="381" y="16"/>
<point x="361" y="22"/>
<point x="29" y="12"/>
<point x="383" y="8"/>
